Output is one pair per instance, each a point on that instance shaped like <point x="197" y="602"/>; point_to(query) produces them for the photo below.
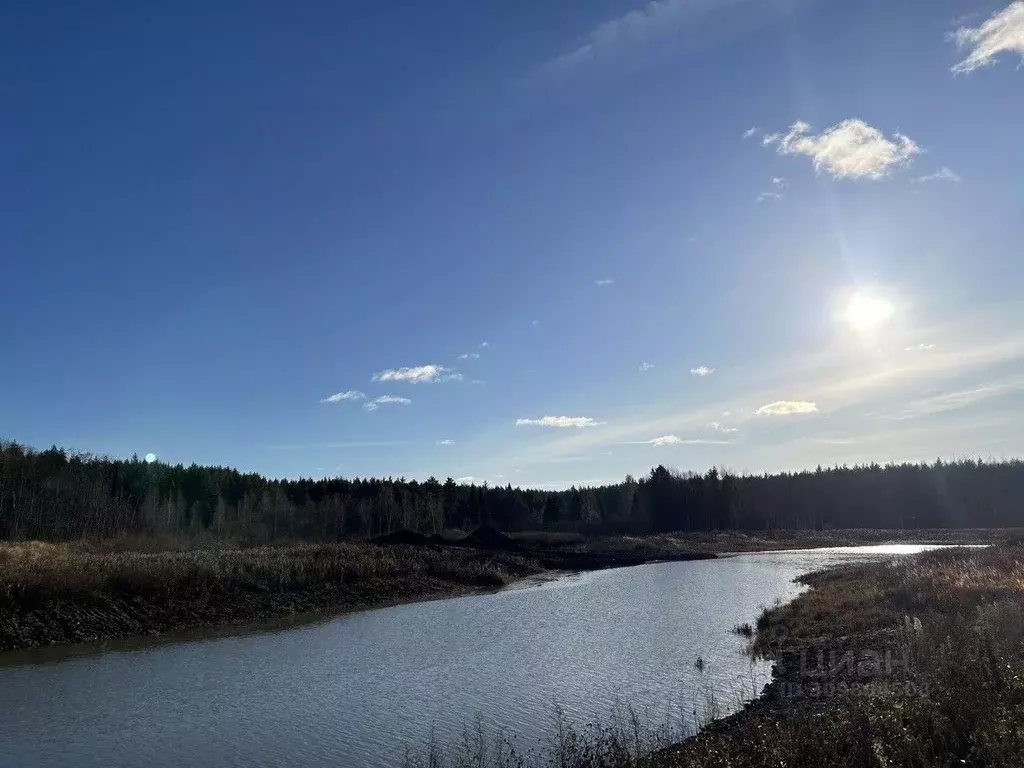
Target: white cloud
<point x="674" y="440"/>
<point x="560" y="422"/>
<point x="446" y="442"/>
<point x="786" y="408"/>
<point x="646" y="366"/>
<point x="469" y="356"/>
<point x="943" y="174"/>
<point x="606" y="281"/>
<point x="1003" y="32"/>
<point x="719" y="427"/>
<point x="919" y="348"/>
<point x="466" y="479"/>
<point x="851" y="149"/>
<point x="535" y="322"/>
<point x="339" y="397"/>
<point x="702" y="371"/>
<point x="750" y="132"/>
<point x="779" y="182"/>
<point x="768" y="196"/>
<point x="386" y="400"/>
<point x="665" y="440"/>
<point x="484" y="344"/>
<point x="477" y="381"/>
<point x="420" y="374"/>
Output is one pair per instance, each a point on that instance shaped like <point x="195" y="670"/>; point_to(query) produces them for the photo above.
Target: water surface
<point x="355" y="690"/>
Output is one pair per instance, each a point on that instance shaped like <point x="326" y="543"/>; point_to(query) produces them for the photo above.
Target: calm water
<point x="355" y="690"/>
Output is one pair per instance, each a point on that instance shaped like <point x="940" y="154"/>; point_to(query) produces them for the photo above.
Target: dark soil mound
<point x="437" y="538"/>
<point x="404" y="536"/>
<point x="486" y="537"/>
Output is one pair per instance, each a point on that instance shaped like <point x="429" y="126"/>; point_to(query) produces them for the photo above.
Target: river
<point x="357" y="689"/>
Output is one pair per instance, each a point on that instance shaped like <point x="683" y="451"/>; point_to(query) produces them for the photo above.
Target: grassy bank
<point x="63" y="593"/>
<point x="917" y="662"/>
<point x="56" y="593"/>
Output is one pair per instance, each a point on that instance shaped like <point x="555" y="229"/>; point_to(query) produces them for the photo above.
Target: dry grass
<point x="67" y="592"/>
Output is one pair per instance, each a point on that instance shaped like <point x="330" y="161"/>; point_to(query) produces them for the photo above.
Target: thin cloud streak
<point x="340" y="397"/>
<point x="664" y="440"/>
<point x="338" y="445"/>
<point x="419" y="374"/>
<point x="559" y="422"/>
<point x="943" y="174"/>
<point x="386" y="400"/>
<point x="787" y="408"/>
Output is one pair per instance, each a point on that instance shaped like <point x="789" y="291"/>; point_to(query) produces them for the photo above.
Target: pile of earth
<point x="486" y="537"/>
<point x="404" y="537"/>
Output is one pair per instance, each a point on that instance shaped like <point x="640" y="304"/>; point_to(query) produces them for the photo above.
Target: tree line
<point x="61" y="495"/>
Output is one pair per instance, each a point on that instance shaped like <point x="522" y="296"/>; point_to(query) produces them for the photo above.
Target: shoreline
<point x="160" y="600"/>
<point x="44" y="620"/>
<point x="875" y="656"/>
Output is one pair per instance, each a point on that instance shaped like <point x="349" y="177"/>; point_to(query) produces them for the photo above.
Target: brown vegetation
<point x="70" y="592"/>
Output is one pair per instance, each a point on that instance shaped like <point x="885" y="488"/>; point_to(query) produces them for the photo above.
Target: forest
<point x="56" y="494"/>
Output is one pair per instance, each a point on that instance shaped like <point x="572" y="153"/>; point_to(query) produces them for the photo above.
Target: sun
<point x="866" y="312"/>
<point x="150" y="458"/>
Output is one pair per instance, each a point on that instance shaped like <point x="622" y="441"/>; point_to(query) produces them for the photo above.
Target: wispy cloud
<point x="719" y="427"/>
<point x="446" y="442"/>
<point x="786" y="408"/>
<point x="851" y="149"/>
<point x="535" y="322"/>
<point x="606" y="281"/>
<point x="919" y="347"/>
<point x="386" y="400"/>
<point x="340" y="397"/>
<point x="1002" y="32"/>
<point x="779" y="182"/>
<point x="420" y="374"/>
<point x="476" y="381"/>
<point x="664" y="440"/>
<point x="467" y="479"/>
<point x="702" y="371"/>
<point x="634" y="28"/>
<point x="559" y="422"/>
<point x="943" y="174"/>
<point x="750" y="132"/>
<point x="339" y="445"/>
<point x="768" y="196"/>
<point x="484" y="344"/>
<point x="469" y="356"/>
<point x="646" y="367"/>
<point x="963" y="398"/>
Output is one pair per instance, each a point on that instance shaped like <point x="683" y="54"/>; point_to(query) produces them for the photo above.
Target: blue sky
<point x="562" y="241"/>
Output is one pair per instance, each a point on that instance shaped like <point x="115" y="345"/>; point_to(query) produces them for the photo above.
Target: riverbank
<point x="917" y="662"/>
<point x="60" y="593"/>
<point x="913" y="662"/>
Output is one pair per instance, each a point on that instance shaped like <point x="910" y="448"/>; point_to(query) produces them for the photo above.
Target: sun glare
<point x="866" y="312"/>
